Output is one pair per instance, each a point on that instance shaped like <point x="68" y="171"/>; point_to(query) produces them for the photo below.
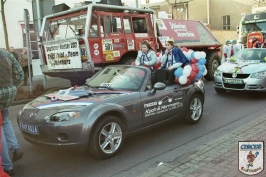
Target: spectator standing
<point x="255" y="42"/>
<point x="226" y="53"/>
<point x="11" y="74"/>
<point x="240" y="44"/>
<point x="12" y="50"/>
<point x="24" y="64"/>
<point x="235" y="47"/>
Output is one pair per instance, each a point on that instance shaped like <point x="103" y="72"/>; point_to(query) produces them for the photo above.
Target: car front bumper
<point x="72" y="134"/>
<point x="241" y="82"/>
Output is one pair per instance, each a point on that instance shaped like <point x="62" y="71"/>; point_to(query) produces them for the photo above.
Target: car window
<point x="119" y="78"/>
<point x="250" y="55"/>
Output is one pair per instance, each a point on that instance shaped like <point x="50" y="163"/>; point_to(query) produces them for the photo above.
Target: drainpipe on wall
<point x="186" y="7"/>
<point x="208" y="11"/>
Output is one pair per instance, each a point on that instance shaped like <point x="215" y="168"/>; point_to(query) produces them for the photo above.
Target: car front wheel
<point x="107" y="137"/>
<point x="195" y="109"/>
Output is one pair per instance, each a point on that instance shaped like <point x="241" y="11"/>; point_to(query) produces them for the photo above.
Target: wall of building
<point x="233" y="8"/>
<point x="197" y="10"/>
<point x="223" y="35"/>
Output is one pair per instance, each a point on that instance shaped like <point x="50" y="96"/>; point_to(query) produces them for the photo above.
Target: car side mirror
<point x="158" y="86"/>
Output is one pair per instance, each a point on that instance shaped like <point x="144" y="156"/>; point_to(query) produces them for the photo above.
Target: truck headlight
<point x="217" y="73"/>
<point x="200" y="84"/>
<point x="64" y="116"/>
<point x="259" y="75"/>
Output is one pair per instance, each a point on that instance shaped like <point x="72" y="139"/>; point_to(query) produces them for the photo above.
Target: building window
<point x="226" y="22"/>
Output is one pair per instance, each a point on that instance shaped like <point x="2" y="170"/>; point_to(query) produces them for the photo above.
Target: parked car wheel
<point x="107" y="137"/>
<point x="194" y="110"/>
<point x="221" y="91"/>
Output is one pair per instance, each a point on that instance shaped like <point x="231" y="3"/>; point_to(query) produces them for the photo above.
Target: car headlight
<point x="64" y="116"/>
<point x="217" y="73"/>
<point x="259" y="75"/>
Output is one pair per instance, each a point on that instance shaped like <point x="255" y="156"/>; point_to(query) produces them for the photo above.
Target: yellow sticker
<point x="109" y="57"/>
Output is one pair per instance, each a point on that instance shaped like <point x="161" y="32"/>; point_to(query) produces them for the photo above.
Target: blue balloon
<point x="202" y="61"/>
<point x="192" y="54"/>
<point x="179" y="72"/>
<point x="199" y="75"/>
<point x="201" y="68"/>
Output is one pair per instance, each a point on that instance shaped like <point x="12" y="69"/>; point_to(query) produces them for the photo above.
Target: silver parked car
<point x="246" y="70"/>
<point x="118" y="101"/>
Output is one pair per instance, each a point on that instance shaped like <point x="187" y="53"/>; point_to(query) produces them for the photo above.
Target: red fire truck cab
<point x="77" y="42"/>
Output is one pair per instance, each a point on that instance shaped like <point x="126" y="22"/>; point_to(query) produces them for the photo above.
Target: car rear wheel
<point x="107" y="137"/>
<point x="221" y="91"/>
<point x="195" y="109"/>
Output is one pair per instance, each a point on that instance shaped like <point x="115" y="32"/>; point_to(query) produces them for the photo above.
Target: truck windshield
<point x="67" y="27"/>
<point x="247" y="28"/>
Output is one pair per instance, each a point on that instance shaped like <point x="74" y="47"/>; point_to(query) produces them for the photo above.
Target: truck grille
<point x="240" y="76"/>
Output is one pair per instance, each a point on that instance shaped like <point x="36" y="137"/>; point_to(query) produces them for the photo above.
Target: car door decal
<point x="163" y="105"/>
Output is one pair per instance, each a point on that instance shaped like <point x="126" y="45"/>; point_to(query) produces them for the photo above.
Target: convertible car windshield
<point x="251" y="55"/>
<point x="119" y="78"/>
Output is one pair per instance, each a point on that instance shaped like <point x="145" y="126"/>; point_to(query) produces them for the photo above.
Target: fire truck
<point x="77" y="42"/>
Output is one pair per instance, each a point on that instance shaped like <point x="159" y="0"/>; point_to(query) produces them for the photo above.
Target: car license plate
<point x="29" y="128"/>
<point x="233" y="81"/>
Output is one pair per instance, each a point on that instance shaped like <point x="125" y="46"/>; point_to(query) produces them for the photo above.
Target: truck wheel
<point x="107" y="137"/>
<point x="127" y="60"/>
<point x="213" y="61"/>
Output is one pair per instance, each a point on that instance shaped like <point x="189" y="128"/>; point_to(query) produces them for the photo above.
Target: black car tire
<point x="127" y="60"/>
<point x="195" y="100"/>
<point x="220" y="91"/>
<point x="213" y="61"/>
<point x="97" y="138"/>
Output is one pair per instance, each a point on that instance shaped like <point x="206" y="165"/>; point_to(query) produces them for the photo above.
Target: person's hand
<point x="170" y="68"/>
<point x="145" y="63"/>
<point x="166" y="52"/>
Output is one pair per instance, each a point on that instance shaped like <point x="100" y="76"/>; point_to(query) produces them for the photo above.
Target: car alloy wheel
<point x="110" y="138"/>
<point x="107" y="137"/>
<point x="195" y="109"/>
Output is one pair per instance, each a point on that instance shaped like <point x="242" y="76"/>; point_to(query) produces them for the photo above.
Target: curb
<point x="179" y="161"/>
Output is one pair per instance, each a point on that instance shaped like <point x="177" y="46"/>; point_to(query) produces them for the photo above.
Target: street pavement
<point x="218" y="158"/>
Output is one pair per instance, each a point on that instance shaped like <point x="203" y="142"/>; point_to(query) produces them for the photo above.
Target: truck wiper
<point x="72" y="29"/>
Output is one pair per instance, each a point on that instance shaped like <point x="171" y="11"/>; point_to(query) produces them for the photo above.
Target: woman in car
<point x="146" y="56"/>
<point x="172" y="57"/>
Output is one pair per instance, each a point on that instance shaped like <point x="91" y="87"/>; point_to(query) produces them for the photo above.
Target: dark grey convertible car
<point x="115" y="103"/>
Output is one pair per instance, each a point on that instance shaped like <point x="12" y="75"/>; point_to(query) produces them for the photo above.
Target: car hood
<point x="44" y="102"/>
<point x="247" y="68"/>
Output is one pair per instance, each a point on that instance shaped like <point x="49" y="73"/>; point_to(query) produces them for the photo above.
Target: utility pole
<point x="39" y="29"/>
<point x="27" y="31"/>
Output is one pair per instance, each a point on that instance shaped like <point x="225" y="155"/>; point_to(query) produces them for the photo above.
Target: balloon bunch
<point x="194" y="71"/>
